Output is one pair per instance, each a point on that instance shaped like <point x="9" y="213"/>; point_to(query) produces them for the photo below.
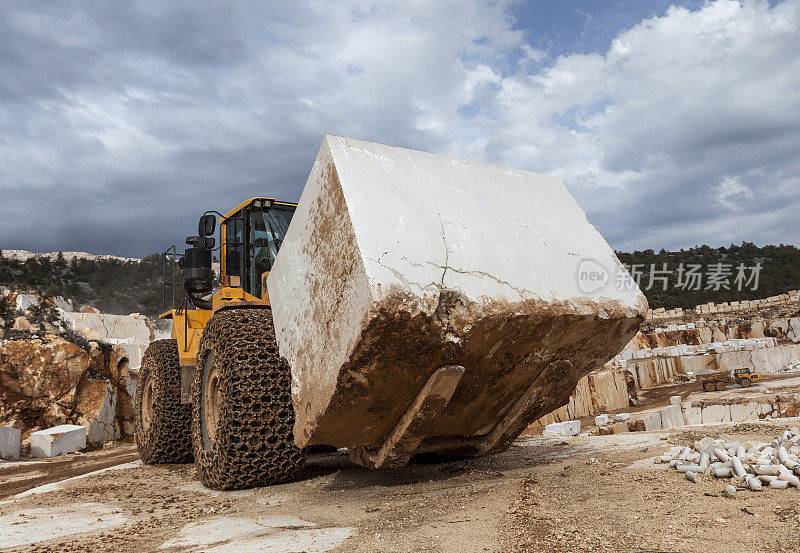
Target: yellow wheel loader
<point x="219" y="383"/>
<point x="409" y="303"/>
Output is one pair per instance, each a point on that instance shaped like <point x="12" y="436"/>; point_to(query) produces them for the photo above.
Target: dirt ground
<point x="587" y="493"/>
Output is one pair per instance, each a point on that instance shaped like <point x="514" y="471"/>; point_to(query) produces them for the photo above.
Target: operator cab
<point x="251" y="235"/>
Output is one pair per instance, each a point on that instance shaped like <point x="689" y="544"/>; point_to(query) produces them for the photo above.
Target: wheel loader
<point x="410" y="303"/>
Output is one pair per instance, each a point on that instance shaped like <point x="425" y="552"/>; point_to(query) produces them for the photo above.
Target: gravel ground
<point x="587" y="493"/>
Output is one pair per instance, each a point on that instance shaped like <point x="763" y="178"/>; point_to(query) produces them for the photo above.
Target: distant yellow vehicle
<point x="719" y="380"/>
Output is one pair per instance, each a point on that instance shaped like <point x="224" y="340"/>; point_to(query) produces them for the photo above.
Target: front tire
<point x="745" y="382"/>
<point x="242" y="417"/>
<point x="163" y="424"/>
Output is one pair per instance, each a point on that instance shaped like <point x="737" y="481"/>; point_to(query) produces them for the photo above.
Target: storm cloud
<point x="121" y="122"/>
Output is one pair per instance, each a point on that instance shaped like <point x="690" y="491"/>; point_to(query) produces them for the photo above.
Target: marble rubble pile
<point x="751" y="465"/>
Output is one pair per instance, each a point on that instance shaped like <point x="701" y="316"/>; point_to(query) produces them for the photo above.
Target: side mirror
<point x="208" y="223"/>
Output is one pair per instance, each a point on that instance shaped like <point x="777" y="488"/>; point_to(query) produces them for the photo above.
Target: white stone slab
<point x="33" y="525"/>
<point x="675" y="400"/>
<point x="564" y="428"/>
<point x="553" y="429"/>
<point x="652" y="421"/>
<point x="572" y="428"/>
<point x="9" y="442"/>
<point x="744" y="412"/>
<point x="622" y="416"/>
<point x="716" y="413"/>
<point x="671" y="417"/>
<point x="691" y="414"/>
<point x="426" y="254"/>
<point x="59" y="440"/>
<point x="600" y="420"/>
<point x="249" y="535"/>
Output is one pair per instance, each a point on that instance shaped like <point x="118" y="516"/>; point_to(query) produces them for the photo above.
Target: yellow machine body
<point x="188" y="324"/>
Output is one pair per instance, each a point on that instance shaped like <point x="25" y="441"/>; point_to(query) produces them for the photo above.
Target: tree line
<point x="669" y="279"/>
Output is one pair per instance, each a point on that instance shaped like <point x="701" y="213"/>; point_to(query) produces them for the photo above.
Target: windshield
<point x="267" y="230"/>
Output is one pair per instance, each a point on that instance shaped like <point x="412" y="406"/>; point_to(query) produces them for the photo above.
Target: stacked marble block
<point x="681" y="350"/>
<point x="725" y="307"/>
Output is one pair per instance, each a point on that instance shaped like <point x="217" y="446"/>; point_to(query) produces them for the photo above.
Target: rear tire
<point x="163" y="424"/>
<point x="243" y="417"/>
<point x="721" y="386"/>
<point x="745" y="382"/>
<point x="708" y="386"/>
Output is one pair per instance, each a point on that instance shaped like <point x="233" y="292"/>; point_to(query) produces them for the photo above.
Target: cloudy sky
<point x="672" y="123"/>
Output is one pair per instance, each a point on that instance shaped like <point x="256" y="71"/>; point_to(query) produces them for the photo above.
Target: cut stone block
<point x="622" y="416"/>
<point x="619" y="427"/>
<point x="716" y="413"/>
<point x="572" y="428"/>
<point x="565" y="428"/>
<point x="652" y="421"/>
<point x="691" y="414"/>
<point x="675" y="400"/>
<point x="553" y="429"/>
<point x="9" y="442"/>
<point x="601" y="420"/>
<point x="744" y="412"/>
<point x="671" y="417"/>
<point x="398" y="263"/>
<point x="59" y="440"/>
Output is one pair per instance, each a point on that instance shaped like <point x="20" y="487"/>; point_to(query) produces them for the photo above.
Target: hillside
<point x="123" y="285"/>
<point x="111" y="284"/>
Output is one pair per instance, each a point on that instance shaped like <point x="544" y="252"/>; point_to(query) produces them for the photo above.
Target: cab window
<point x="266" y="230"/>
<point x="234" y="245"/>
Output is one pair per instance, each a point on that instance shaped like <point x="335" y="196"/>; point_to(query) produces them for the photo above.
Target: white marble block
<point x="398" y="263"/>
<point x="9" y="442"/>
<point x="59" y="440"/>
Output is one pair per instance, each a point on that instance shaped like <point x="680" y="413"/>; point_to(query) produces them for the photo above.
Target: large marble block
<point x="398" y="263"/>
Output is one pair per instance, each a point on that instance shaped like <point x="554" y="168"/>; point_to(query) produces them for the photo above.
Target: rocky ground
<point x="587" y="493"/>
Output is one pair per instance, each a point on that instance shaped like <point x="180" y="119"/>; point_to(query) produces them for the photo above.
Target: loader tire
<point x="163" y="424"/>
<point x="243" y="417"/>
